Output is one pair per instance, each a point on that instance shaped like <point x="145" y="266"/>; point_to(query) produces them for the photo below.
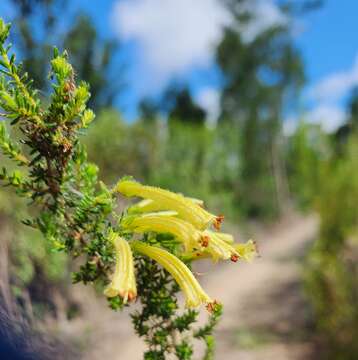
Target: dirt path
<point x="264" y="314"/>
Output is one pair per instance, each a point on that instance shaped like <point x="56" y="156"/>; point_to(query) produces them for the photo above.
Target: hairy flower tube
<point x="163" y="222"/>
<point x="228" y="238"/>
<point x="194" y="294"/>
<point x="220" y="249"/>
<point x="247" y="251"/>
<point x="186" y="208"/>
<point x="123" y="281"/>
<point x="148" y="205"/>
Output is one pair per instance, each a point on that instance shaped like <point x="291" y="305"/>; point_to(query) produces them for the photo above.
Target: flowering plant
<point x="78" y="214"/>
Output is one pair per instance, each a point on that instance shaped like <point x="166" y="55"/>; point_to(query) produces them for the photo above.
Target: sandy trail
<point x="264" y="314"/>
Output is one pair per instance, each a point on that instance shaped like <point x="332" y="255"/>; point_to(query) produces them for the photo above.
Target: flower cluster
<point x="165" y="212"/>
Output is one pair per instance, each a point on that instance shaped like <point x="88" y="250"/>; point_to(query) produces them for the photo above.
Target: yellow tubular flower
<point x="143" y="206"/>
<point x="186" y="208"/>
<point x="228" y="238"/>
<point x="197" y="201"/>
<point x="194" y="294"/>
<point x="216" y="250"/>
<point x="165" y="222"/>
<point x="148" y="205"/>
<point x="123" y="282"/>
<point x="219" y="249"/>
<point x="247" y="251"/>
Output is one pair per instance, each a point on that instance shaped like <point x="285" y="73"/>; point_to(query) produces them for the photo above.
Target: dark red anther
<point x="218" y="221"/>
<point x="205" y="240"/>
<point x="131" y="296"/>
<point x="234" y="258"/>
<point x="211" y="306"/>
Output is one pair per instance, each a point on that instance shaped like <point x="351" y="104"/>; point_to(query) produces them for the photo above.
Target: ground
<point x="265" y="317"/>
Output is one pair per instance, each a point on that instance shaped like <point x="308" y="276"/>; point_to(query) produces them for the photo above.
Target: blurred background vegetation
<point x="244" y="165"/>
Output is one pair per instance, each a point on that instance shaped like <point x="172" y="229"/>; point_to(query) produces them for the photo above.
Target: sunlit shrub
<point x="332" y="266"/>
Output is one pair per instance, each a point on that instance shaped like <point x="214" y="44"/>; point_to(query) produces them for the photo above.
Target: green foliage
<point x="332" y="271"/>
<point x="261" y="75"/>
<point x="75" y="211"/>
<point x="34" y="46"/>
<point x="30" y="253"/>
<point x="205" y="333"/>
<point x="181" y="107"/>
<point x="184" y="152"/>
<point x="131" y="157"/>
<point x="306" y="150"/>
<point x="92" y="58"/>
<point x="90" y="53"/>
<point x="195" y="160"/>
<point x="157" y="321"/>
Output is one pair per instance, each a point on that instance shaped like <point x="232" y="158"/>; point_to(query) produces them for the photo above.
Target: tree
<point x="304" y="154"/>
<point x="180" y="106"/>
<point x="344" y="132"/>
<point x="353" y="108"/>
<point x="260" y="75"/>
<point x="92" y="55"/>
<point x="148" y="110"/>
<point x="93" y="60"/>
<point x="35" y="50"/>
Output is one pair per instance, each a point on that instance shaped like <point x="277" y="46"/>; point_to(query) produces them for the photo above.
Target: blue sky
<point x="330" y="40"/>
<point x="174" y="39"/>
<point x="329" y="44"/>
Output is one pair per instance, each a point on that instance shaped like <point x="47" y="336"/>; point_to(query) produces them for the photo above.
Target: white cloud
<point x="329" y="94"/>
<point x="173" y="35"/>
<point x="329" y="116"/>
<point x="265" y="14"/>
<point x="209" y="99"/>
<point x="335" y="86"/>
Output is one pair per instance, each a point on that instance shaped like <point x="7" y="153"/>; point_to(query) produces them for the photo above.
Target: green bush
<point x="331" y="274"/>
<point x="192" y="159"/>
<point x="32" y="262"/>
<point x="306" y="149"/>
